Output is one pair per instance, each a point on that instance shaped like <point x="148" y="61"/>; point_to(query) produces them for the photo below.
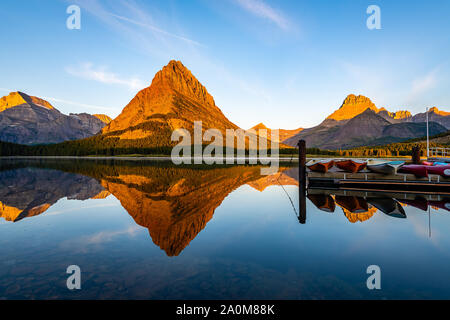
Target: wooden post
<point x="302" y="162"/>
<point x="302" y="180"/>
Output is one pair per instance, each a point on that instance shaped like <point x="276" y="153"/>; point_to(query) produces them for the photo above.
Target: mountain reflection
<point x="174" y="203"/>
<point x="27" y="192"/>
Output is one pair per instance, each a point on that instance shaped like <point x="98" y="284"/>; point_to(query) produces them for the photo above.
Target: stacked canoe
<point x="384" y="167"/>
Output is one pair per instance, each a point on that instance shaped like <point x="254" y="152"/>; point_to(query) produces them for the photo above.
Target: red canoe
<point x="443" y="171"/>
<point x="320" y="165"/>
<point x="351" y="165"/>
<point x="416" y="169"/>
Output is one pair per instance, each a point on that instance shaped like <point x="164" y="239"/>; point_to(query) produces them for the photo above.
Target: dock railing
<point x="439" y="152"/>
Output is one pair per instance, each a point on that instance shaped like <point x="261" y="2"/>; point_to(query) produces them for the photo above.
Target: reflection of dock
<point x="336" y="179"/>
<point x="360" y="205"/>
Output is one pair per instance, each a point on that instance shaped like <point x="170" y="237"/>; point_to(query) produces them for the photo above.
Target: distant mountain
<point x="30" y="120"/>
<point x="174" y="100"/>
<point x="435" y="115"/>
<point x="351" y="107"/>
<point x="358" y="122"/>
<point x="283" y="134"/>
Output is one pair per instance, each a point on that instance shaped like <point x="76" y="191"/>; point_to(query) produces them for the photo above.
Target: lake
<point x="152" y="230"/>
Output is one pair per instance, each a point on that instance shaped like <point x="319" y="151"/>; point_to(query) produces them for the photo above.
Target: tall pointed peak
<point x="175" y="76"/>
<point x="176" y="99"/>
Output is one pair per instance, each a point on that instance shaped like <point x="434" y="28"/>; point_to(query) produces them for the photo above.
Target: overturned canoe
<point x="443" y="171"/>
<point x="384" y="167"/>
<point x="351" y="165"/>
<point x="320" y="165"/>
<point x="415" y="169"/>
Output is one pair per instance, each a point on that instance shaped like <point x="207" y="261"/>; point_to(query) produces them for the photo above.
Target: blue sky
<point x="287" y="64"/>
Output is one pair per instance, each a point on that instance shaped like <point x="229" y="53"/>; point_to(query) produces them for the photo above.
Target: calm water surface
<point x="154" y="231"/>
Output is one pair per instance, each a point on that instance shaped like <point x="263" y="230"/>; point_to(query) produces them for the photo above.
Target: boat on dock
<point x="320" y="165"/>
<point x="437" y="163"/>
<point x="416" y="169"/>
<point x="384" y="167"/>
<point x="442" y="170"/>
<point x="349" y="165"/>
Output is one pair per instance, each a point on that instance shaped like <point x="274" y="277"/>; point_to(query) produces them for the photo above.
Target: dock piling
<point x="302" y="180"/>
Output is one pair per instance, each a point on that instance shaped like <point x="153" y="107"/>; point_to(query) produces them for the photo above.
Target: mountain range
<point x="31" y="120"/>
<point x="175" y="99"/>
<point x="358" y="122"/>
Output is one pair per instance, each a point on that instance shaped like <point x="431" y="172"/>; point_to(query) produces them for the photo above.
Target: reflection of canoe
<point x="320" y="165"/>
<point x="419" y="203"/>
<point x="351" y="165"/>
<point x="415" y="169"/>
<point x="443" y="204"/>
<point x="384" y="167"/>
<point x="323" y="202"/>
<point x="352" y="203"/>
<point x="388" y="206"/>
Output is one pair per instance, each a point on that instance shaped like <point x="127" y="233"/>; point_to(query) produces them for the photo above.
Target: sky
<point x="288" y="64"/>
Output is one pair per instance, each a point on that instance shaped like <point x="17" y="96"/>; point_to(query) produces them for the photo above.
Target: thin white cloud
<point x="139" y="24"/>
<point x="89" y="72"/>
<point x="263" y="10"/>
<point x="156" y="29"/>
<point x="57" y="100"/>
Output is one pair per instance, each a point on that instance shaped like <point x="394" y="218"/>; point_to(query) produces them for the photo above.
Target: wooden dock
<point x="366" y="180"/>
